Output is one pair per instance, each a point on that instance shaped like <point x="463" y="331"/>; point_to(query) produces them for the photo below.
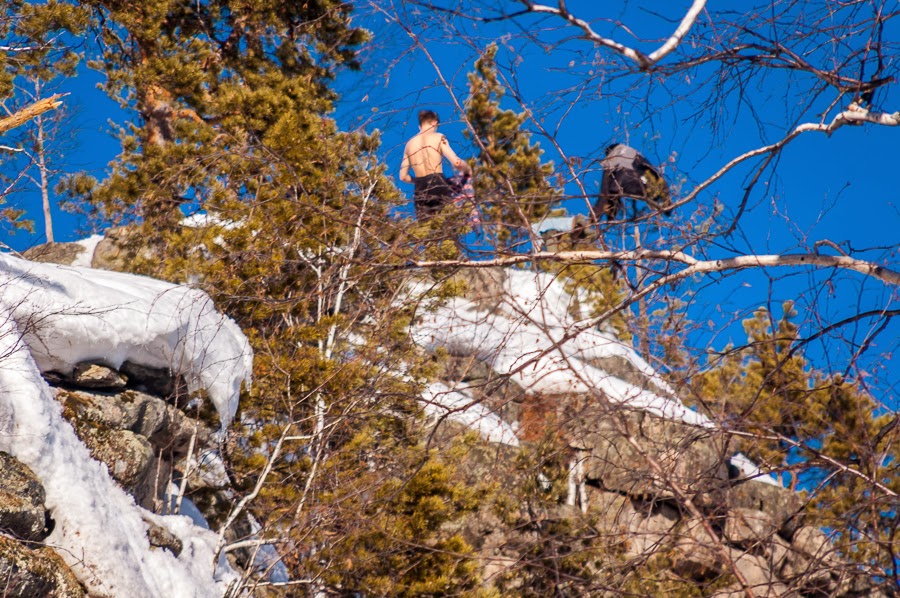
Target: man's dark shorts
<point x="431" y="195"/>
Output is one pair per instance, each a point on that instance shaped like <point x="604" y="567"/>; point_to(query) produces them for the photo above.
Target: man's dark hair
<point x="427" y="116"/>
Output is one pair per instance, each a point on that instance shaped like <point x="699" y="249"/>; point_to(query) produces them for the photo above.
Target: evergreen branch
<point x="27" y="113"/>
<point x="818" y="454"/>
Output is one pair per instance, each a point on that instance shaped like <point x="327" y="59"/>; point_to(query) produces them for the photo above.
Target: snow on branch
<point x="645" y="61"/>
<point x="695" y="266"/>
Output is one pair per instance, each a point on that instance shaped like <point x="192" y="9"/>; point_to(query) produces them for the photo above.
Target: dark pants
<point x="431" y="195"/>
<point x="622" y="182"/>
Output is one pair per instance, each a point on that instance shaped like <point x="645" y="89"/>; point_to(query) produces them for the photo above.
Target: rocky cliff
<point x="670" y="505"/>
<point x="635" y="490"/>
<point x="113" y="388"/>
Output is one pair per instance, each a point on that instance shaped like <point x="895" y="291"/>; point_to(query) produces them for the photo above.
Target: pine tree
<point x="207" y="81"/>
<point x="294" y="242"/>
<point x="38" y="50"/>
<point x="511" y="182"/>
<point x="820" y="428"/>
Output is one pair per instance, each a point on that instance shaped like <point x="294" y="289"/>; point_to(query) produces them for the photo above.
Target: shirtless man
<point x="425" y="153"/>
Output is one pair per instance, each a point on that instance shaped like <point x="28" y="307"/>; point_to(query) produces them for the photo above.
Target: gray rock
<point x="784" y="506"/>
<point x="732" y="591"/>
<point x="118" y="249"/>
<point x="164" y="425"/>
<point x="650" y="531"/>
<point x="123" y="247"/>
<point x="749" y="526"/>
<point x="811" y="564"/>
<point x="691" y="459"/>
<point x="22" y="512"/>
<point x="97" y="376"/>
<point x="100" y="408"/>
<point x="151" y="414"/>
<point x="156" y="381"/>
<point x="776" y="552"/>
<point x="38" y="573"/>
<point x="55" y="253"/>
<point x="484" y="286"/>
<point x="127" y="456"/>
<point x="55" y="378"/>
<point x="697" y="555"/>
<point x="812" y="543"/>
<point x="160" y="537"/>
<point x="758" y="575"/>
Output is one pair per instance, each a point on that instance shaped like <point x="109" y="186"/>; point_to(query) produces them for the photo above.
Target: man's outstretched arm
<point x="455" y="161"/>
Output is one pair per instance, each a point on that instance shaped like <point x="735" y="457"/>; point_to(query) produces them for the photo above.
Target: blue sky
<point x="838" y="188"/>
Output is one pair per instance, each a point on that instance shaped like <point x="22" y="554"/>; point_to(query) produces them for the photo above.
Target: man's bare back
<point x="425" y="152"/>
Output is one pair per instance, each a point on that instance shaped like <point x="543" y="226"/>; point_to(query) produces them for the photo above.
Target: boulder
<point x="128" y="457"/>
<point x="749" y="526"/>
<point x="160" y="537"/>
<point x="759" y="576"/>
<point x="97" y="376"/>
<point x="811" y="563"/>
<point x="784" y="506"/>
<point x="689" y="458"/>
<point x="696" y="555"/>
<point x="812" y="543"/>
<point x="104" y="409"/>
<point x="776" y="552"/>
<point x="647" y="526"/>
<point x="38" y="573"/>
<point x="118" y="249"/>
<point x="22" y="512"/>
<point x="155" y="381"/>
<point x="164" y="425"/>
<point x="55" y="253"/>
<point x="484" y="286"/>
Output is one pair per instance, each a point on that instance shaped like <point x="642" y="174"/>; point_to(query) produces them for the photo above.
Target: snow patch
<point x="204" y="219"/>
<point x="53" y="317"/>
<point x="442" y="402"/>
<point x="525" y="349"/>
<point x="99" y="530"/>
<point x="752" y="470"/>
<point x="69" y="315"/>
<point x="532" y="337"/>
<point x="554" y="224"/>
<point x="85" y="258"/>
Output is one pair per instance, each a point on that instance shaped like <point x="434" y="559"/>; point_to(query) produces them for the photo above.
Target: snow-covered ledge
<point x="53" y="317"/>
<point x="534" y="335"/>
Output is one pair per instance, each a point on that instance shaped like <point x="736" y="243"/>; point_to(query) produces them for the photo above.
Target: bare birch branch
<point x="695" y="266"/>
<point x="644" y="61"/>
<point x="853" y="115"/>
